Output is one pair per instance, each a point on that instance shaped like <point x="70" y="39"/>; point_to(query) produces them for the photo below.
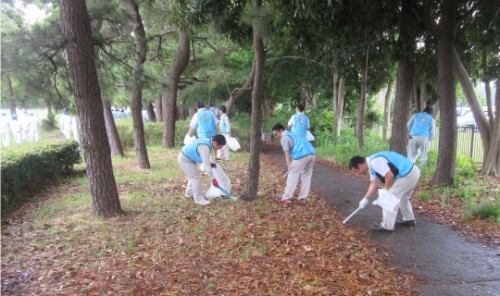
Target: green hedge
<point x="27" y="168"/>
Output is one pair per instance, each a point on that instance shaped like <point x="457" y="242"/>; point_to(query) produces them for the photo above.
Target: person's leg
<point x="306" y="175"/>
<point x="292" y="179"/>
<point x="403" y="189"/>
<point x="412" y="150"/>
<point x="426" y="145"/>
<point x="389" y="218"/>
<point x="194" y="179"/>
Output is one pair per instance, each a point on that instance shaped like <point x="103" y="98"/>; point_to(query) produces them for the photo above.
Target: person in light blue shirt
<point x="421" y="128"/>
<point x="225" y="128"/>
<point x="300" y="156"/>
<point x="398" y="175"/>
<point x="204" y="122"/>
<point x="299" y="123"/>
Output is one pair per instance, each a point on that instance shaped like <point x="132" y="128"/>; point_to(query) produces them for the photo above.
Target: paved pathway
<point x="442" y="261"/>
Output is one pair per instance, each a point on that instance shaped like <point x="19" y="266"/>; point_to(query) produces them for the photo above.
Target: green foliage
<point x="25" y="169"/>
<point x="49" y="123"/>
<point x="424" y="195"/>
<point x="465" y="168"/>
<point x="487" y="211"/>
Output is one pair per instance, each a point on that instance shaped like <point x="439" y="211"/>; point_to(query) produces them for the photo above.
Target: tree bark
<point x="159" y="115"/>
<point x="252" y="185"/>
<point x="362" y="102"/>
<point x="238" y="92"/>
<point x="10" y="94"/>
<point x="387" y="111"/>
<point x="422" y="94"/>
<point x="491" y="164"/>
<point x="151" y="112"/>
<point x="113" y="138"/>
<point x="405" y="80"/>
<point x="174" y="74"/>
<point x="447" y="132"/>
<point x="487" y="88"/>
<point x="77" y="37"/>
<point x="140" y="50"/>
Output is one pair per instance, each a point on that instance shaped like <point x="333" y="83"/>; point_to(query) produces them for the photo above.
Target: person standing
<point x="199" y="152"/>
<point x="66" y="124"/>
<point x="398" y="175"/>
<point x="299" y="122"/>
<point x="421" y="128"/>
<point x="204" y="122"/>
<point x="33" y="128"/>
<point x="15" y="127"/>
<point x="225" y="128"/>
<point x="4" y="126"/>
<point x="299" y="156"/>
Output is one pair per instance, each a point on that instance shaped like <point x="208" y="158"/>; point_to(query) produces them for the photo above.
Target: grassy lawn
<point x="165" y="244"/>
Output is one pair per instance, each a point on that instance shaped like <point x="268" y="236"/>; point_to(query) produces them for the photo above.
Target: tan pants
<point x="193" y="188"/>
<point x="224" y="151"/>
<point x="418" y="145"/>
<point x="402" y="189"/>
<point x="301" y="168"/>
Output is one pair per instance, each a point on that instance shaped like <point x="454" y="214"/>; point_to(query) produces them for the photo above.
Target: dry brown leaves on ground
<point x="167" y="245"/>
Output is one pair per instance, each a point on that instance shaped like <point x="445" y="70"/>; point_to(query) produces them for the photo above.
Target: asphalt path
<point x="442" y="261"/>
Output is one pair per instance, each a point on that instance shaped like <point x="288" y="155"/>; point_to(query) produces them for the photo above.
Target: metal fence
<point x="469" y="142"/>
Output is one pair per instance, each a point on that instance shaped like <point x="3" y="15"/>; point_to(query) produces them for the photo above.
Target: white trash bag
<point x="188" y="139"/>
<point x="386" y="200"/>
<point x="310" y="137"/>
<point x="224" y="183"/>
<point x="233" y="143"/>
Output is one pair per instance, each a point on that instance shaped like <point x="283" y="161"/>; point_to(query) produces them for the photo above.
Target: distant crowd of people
<point x="22" y="126"/>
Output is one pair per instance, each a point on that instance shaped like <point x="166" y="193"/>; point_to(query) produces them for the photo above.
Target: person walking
<point x="299" y="122"/>
<point x="4" y="127"/>
<point x="33" y="128"/>
<point x="204" y="122"/>
<point x="398" y="175"/>
<point x="66" y="124"/>
<point x="15" y="127"/>
<point x="225" y="128"/>
<point x="421" y="128"/>
<point x="300" y="156"/>
<point x="199" y="152"/>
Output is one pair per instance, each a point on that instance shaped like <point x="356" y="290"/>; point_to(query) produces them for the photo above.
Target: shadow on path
<point x="442" y="261"/>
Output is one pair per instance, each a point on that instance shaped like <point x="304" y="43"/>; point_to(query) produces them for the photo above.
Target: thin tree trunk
<point x="422" y="94"/>
<point x="487" y="88"/>
<point x="140" y="50"/>
<point x="335" y="84"/>
<point x="252" y="184"/>
<point x="10" y="94"/>
<point x="387" y="111"/>
<point x="238" y="92"/>
<point x="405" y="81"/>
<point x="113" y="138"/>
<point x="340" y="104"/>
<point x="77" y="37"/>
<point x="447" y="132"/>
<point x="362" y="102"/>
<point x="491" y="164"/>
<point x="174" y="74"/>
<point x="151" y="112"/>
<point x="159" y="115"/>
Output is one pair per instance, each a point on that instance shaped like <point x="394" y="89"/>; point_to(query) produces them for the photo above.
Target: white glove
<point x="363" y="203"/>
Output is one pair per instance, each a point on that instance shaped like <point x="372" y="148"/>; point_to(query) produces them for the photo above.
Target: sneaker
<point x="188" y="196"/>
<point x="217" y="159"/>
<point x="379" y="228"/>
<point x="281" y="200"/>
<point x="406" y="223"/>
<point x="202" y="202"/>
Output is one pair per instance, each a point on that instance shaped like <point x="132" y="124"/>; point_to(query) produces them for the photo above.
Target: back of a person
<point x="301" y="146"/>
<point x="206" y="124"/>
<point x="421" y="125"/>
<point x="300" y="125"/>
<point x="403" y="164"/>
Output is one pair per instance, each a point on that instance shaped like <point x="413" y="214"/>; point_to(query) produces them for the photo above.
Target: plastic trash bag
<point x="188" y="139"/>
<point x="233" y="143"/>
<point x="386" y="200"/>
<point x="224" y="183"/>
<point x="310" y="137"/>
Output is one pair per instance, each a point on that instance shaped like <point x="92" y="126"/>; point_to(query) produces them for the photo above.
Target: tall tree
<point x="387" y="111"/>
<point x="252" y="184"/>
<point x="77" y="37"/>
<point x="140" y="50"/>
<point x="114" y="139"/>
<point x="447" y="101"/>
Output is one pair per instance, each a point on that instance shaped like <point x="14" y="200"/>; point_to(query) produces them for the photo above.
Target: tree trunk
<point x="487" y="88"/>
<point x="335" y="83"/>
<point x="387" y="111"/>
<point x="447" y="132"/>
<point x="491" y="164"/>
<point x="151" y="112"/>
<point x="362" y="102"/>
<point x="422" y="94"/>
<point x="405" y="80"/>
<point x="159" y="115"/>
<point x="238" y="92"/>
<point x="77" y="37"/>
<point x="140" y="50"/>
<point x="252" y="184"/>
<point x="10" y="94"/>
<point x="113" y="138"/>
<point x="174" y="74"/>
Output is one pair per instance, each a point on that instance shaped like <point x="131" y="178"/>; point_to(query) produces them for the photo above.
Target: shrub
<point x="27" y="168"/>
<point x="49" y="123"/>
<point x="424" y="196"/>
<point x="487" y="211"/>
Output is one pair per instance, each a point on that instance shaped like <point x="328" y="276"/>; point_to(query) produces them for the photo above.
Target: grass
<point x="164" y="243"/>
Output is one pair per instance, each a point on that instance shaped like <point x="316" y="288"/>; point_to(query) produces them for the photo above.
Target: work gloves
<point x="214" y="181"/>
<point x="363" y="203"/>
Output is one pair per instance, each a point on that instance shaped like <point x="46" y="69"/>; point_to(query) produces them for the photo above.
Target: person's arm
<point x="228" y="125"/>
<point x="389" y="180"/>
<point x="288" y="159"/>
<point x="291" y="121"/>
<point x="409" y="124"/>
<point x="193" y="124"/>
<point x="190" y="131"/>
<point x="371" y="190"/>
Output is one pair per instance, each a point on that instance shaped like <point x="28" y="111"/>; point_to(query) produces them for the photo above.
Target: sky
<point x="31" y="12"/>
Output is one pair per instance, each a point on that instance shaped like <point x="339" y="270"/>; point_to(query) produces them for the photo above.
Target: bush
<point x="49" y="123"/>
<point x="27" y="168"/>
<point x="488" y="211"/>
<point x="424" y="196"/>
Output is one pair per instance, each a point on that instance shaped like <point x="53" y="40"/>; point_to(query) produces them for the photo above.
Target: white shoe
<point x="187" y="195"/>
<point x="202" y="202"/>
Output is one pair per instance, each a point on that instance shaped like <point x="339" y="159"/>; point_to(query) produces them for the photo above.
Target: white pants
<point x="5" y="137"/>
<point x="225" y="150"/>
<point x="402" y="188"/>
<point x="301" y="168"/>
<point x="193" y="188"/>
<point x="418" y="143"/>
